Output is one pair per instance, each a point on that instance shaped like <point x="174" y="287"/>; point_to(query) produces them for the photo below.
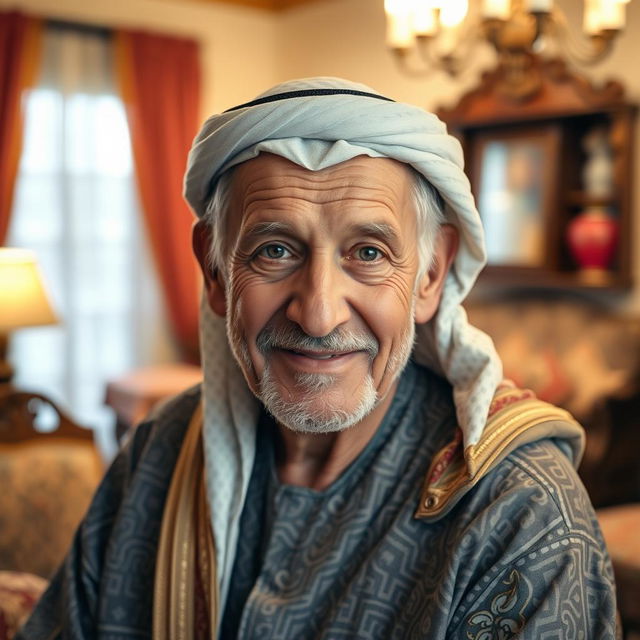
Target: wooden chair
<point x="47" y="481"/>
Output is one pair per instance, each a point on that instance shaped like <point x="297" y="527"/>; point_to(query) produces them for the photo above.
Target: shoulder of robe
<point x="516" y="417"/>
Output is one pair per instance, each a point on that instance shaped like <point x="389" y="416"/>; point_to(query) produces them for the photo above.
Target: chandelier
<point x="444" y="34"/>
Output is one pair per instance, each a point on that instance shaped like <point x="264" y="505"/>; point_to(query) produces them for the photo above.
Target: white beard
<point x="319" y="409"/>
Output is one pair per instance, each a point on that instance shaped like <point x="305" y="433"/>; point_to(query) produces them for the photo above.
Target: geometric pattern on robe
<point x="520" y="555"/>
<point x="522" y="545"/>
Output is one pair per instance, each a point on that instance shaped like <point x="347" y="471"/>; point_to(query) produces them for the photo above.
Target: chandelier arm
<point x="401" y="58"/>
<point x="471" y="36"/>
<point x="430" y="64"/>
<point x="578" y="50"/>
<point x="453" y="64"/>
<point x="432" y="60"/>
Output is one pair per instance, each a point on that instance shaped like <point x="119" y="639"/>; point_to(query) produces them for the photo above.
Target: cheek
<point x="388" y="313"/>
<point x="253" y="305"/>
<point x="390" y="305"/>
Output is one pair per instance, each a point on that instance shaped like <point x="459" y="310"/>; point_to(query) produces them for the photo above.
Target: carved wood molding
<point x="18" y="411"/>
<point x="546" y="88"/>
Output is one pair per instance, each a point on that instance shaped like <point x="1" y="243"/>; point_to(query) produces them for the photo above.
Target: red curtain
<point x="159" y="79"/>
<point x="20" y="49"/>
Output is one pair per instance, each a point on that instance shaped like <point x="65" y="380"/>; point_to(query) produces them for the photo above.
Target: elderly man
<point x="352" y="466"/>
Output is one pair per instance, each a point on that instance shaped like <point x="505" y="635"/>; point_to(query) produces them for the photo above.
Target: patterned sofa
<point x="581" y="357"/>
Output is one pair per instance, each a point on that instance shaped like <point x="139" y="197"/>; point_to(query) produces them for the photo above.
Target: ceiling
<point x="272" y="5"/>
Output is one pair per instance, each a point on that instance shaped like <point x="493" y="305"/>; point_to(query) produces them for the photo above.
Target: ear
<point x="429" y="289"/>
<point x="213" y="282"/>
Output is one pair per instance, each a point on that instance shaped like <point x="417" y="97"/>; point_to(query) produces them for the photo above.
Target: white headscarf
<point x="317" y="123"/>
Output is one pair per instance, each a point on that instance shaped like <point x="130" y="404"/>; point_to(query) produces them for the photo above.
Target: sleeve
<point x="558" y="590"/>
<point x="68" y="607"/>
<point x="534" y="563"/>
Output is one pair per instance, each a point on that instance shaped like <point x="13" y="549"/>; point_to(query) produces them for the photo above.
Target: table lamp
<point x="23" y="300"/>
<point x="25" y="303"/>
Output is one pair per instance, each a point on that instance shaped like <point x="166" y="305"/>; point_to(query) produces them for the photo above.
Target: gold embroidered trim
<point x="516" y="419"/>
<point x="185" y="546"/>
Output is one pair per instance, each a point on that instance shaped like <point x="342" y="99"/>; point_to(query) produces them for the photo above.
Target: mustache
<point x="292" y="338"/>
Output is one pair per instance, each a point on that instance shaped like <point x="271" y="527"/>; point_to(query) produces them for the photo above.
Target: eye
<point x="274" y="252"/>
<point x="368" y="254"/>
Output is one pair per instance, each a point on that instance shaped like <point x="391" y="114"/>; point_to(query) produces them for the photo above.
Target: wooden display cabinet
<point x="544" y="128"/>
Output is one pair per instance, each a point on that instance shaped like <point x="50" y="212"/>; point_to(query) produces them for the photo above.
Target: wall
<point x="238" y="43"/>
<point x="346" y="38"/>
<point x="246" y="50"/>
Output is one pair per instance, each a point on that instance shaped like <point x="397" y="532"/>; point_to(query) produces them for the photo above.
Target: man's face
<point x="320" y="293"/>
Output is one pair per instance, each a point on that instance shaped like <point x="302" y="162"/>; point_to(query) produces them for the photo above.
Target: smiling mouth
<point x="317" y="355"/>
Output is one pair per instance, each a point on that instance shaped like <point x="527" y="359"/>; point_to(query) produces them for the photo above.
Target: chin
<point x="317" y="410"/>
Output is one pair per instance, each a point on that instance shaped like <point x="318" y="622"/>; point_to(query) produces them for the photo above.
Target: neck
<point x="316" y="460"/>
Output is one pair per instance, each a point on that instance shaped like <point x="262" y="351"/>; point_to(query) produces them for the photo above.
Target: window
<point x="76" y="207"/>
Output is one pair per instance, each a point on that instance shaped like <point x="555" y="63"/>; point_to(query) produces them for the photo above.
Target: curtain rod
<point x="83" y="27"/>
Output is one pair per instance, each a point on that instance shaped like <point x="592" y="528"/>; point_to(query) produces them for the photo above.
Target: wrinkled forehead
<point x="274" y="175"/>
<point x="362" y="189"/>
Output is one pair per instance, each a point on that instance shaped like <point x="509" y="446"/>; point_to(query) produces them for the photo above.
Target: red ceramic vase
<point x="592" y="237"/>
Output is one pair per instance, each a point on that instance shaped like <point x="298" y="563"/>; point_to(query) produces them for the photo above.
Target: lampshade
<point x="23" y="299"/>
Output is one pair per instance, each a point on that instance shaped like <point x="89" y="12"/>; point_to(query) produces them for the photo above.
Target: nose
<point x="318" y="303"/>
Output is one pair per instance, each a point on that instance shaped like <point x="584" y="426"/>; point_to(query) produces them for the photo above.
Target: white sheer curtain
<point x="76" y="207"/>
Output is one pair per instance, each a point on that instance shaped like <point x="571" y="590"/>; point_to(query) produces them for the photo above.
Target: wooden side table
<point x="134" y="394"/>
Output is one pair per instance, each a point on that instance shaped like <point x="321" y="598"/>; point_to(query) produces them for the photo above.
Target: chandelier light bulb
<point x="539" y="6"/>
<point x="453" y="13"/>
<point x="612" y="14"/>
<point x="497" y="9"/>
<point x="425" y="20"/>
<point x="398" y="7"/>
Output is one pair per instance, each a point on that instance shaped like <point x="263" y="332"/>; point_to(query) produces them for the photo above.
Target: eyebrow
<point x="381" y="230"/>
<point x="262" y="229"/>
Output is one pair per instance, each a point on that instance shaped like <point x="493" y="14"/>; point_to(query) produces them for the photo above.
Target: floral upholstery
<point x="47" y="485"/>
<point x="584" y="359"/>
<point x="18" y="593"/>
<point x="570" y="353"/>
